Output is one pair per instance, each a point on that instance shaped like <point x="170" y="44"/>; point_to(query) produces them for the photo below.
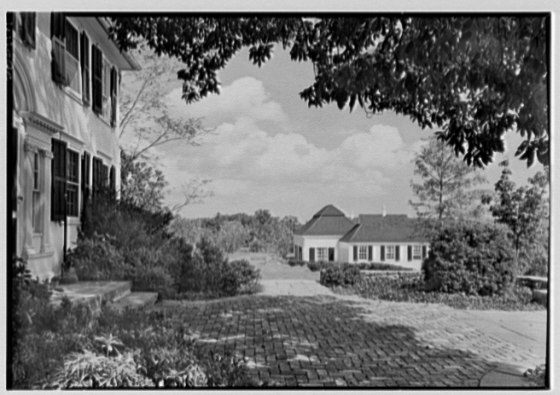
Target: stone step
<point x="92" y="293"/>
<point x="136" y="300"/>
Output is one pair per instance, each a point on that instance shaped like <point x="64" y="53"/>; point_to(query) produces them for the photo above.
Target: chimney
<point x="384" y="213"/>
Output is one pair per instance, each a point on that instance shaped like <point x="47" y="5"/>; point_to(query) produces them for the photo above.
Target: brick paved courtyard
<point x="345" y="341"/>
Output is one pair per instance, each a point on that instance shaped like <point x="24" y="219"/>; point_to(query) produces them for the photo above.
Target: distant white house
<point x="329" y="236"/>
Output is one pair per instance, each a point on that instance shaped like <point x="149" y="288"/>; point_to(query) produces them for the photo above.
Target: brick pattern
<point x="344" y="341"/>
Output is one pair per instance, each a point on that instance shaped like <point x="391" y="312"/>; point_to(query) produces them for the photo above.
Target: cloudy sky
<point x="269" y="150"/>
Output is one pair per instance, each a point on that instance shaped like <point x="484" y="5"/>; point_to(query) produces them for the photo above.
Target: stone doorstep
<point x="92" y="293"/>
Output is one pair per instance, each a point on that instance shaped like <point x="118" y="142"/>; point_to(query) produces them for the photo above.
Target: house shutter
<point x="96" y="79"/>
<point x="85" y="180"/>
<point x="96" y="184"/>
<point x="312" y="255"/>
<point x="355" y="253"/>
<point x="113" y="91"/>
<point x="382" y="253"/>
<point x="397" y="252"/>
<point x="331" y="254"/>
<point x="58" y="187"/>
<point x="370" y="253"/>
<point x="84" y="63"/>
<point x="112" y="181"/>
<point x="424" y="252"/>
<point x="409" y="253"/>
<point x="58" y="42"/>
<point x="28" y="22"/>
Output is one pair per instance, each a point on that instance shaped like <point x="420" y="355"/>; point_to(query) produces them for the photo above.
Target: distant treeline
<point x="260" y="232"/>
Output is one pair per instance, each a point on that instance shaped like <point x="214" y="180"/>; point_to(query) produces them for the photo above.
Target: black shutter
<point x="370" y="253"/>
<point x="409" y="253"/>
<point x="96" y="79"/>
<point x="27" y="33"/>
<point x="397" y="252"/>
<point x="331" y="254"/>
<point x="424" y="251"/>
<point x="382" y="253"/>
<point x="85" y="180"/>
<point x="112" y="181"/>
<point x="113" y="96"/>
<point x="58" y="186"/>
<point x="312" y="255"/>
<point x="84" y="64"/>
<point x="355" y="253"/>
<point x="58" y="48"/>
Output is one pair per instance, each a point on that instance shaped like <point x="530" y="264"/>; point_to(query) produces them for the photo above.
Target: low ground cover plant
<point x="66" y="346"/>
<point x="407" y="287"/>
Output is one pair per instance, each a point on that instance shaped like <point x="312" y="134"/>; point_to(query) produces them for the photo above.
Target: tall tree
<point x="446" y="188"/>
<point x="524" y="209"/>
<point x="473" y="77"/>
<point x="146" y="122"/>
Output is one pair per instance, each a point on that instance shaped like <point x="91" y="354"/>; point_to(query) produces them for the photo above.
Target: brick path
<point x="346" y="341"/>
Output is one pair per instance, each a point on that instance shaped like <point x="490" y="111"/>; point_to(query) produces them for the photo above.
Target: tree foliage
<point x="473" y="77"/>
<point x="524" y="210"/>
<point x="446" y="186"/>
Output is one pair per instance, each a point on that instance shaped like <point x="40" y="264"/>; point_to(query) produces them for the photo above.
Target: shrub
<point x="95" y="258"/>
<point x="381" y="266"/>
<point x="316" y="266"/>
<point x="339" y="275"/>
<point x="471" y="258"/>
<point x="247" y="277"/>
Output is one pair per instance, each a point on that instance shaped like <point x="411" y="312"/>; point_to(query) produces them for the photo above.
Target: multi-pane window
<point x="390" y="252"/>
<point x="362" y="252"/>
<point x="36" y="219"/>
<point x="417" y="251"/>
<point x="72" y="59"/>
<point x="72" y="183"/>
<point x="322" y="254"/>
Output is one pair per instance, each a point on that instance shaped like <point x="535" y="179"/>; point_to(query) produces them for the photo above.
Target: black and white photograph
<point x="278" y="199"/>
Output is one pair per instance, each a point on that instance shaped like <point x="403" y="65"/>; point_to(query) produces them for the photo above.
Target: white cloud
<point x="244" y="97"/>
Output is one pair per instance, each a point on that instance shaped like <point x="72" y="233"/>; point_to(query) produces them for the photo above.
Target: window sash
<point x="390" y="252"/>
<point x="322" y="254"/>
<point x="417" y="251"/>
<point x="362" y="252"/>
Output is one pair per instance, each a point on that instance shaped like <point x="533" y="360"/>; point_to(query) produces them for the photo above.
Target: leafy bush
<point x="339" y="275"/>
<point x="471" y="258"/>
<point x="96" y="258"/>
<point x="316" y="266"/>
<point x="246" y="276"/>
<point x="294" y="262"/>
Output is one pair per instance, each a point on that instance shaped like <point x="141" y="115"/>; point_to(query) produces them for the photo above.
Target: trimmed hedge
<point x="334" y="275"/>
<point x="470" y="258"/>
